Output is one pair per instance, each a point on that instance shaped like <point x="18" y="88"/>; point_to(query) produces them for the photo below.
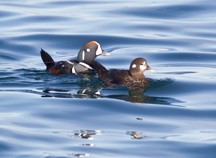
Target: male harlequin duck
<point x="133" y="78"/>
<point x="85" y="57"/>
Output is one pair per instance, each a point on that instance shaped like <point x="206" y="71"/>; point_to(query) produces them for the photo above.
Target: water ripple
<point x="74" y="116"/>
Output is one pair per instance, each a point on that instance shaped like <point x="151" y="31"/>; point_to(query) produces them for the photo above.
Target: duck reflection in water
<point x="137" y="96"/>
<point x="78" y="155"/>
<point x="87" y="134"/>
<point x="135" y="134"/>
<point x="130" y="95"/>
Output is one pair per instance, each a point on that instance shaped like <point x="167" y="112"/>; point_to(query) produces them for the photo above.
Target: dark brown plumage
<point x="133" y="78"/>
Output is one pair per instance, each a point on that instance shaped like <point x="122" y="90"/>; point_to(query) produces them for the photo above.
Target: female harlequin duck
<point x="133" y="78"/>
<point x="85" y="57"/>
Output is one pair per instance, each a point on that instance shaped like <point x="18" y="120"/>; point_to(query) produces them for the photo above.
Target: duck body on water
<point x="132" y="78"/>
<point x="82" y="65"/>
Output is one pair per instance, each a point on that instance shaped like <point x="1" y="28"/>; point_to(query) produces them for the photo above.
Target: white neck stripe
<point x="70" y="62"/>
<point x="83" y="91"/>
<point x="73" y="70"/>
<point x="86" y="65"/>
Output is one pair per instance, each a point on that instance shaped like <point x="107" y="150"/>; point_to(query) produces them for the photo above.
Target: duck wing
<point x="82" y="68"/>
<point x="119" y="76"/>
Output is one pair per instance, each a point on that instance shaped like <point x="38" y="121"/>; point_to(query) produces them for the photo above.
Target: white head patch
<point x="83" y="55"/>
<point x="88" y="50"/>
<point x="143" y="67"/>
<point x="99" y="50"/>
<point x="134" y="66"/>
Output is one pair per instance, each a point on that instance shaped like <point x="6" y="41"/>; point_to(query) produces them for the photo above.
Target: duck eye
<point x="88" y="50"/>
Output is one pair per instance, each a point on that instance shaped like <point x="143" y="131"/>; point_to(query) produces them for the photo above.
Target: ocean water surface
<point x="44" y="115"/>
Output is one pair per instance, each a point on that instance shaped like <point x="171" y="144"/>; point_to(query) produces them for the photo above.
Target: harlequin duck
<point x="133" y="78"/>
<point x="85" y="57"/>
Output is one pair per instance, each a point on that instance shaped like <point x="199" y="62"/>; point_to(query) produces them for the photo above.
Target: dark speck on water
<point x="45" y="115"/>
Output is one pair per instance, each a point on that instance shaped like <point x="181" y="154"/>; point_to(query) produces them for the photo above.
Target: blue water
<point x="43" y="115"/>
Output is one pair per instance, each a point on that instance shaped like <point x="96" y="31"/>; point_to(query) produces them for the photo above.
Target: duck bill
<point x="150" y="69"/>
<point x="104" y="53"/>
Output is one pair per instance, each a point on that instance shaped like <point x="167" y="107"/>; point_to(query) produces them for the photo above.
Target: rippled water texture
<point x="43" y="115"/>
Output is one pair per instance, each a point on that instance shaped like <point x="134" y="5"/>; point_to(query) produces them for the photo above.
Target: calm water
<point x="43" y="115"/>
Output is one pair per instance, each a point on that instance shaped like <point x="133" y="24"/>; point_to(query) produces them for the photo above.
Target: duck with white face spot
<point x="125" y="77"/>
